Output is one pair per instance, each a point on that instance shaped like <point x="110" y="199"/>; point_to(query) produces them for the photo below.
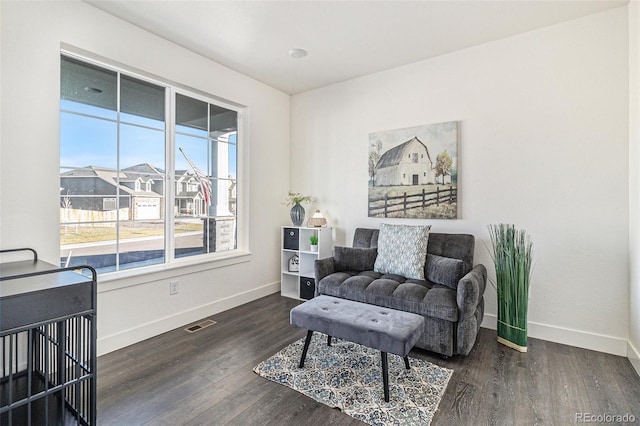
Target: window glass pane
<point x="88" y="191"/>
<point x="87" y="141"/>
<point x="88" y="89"/>
<point x="141" y="237"/>
<point x="142" y="156"/>
<point x="225" y="234"/>
<point x="224" y="161"/>
<point x="188" y="232"/>
<point x="233" y="161"/>
<point x="191" y="116"/>
<point x="82" y="194"/>
<point x="141" y="242"/>
<point x="210" y="164"/>
<point x="141" y="103"/>
<point x="222" y="121"/>
<point x="89" y="244"/>
<point x="190" y="206"/>
<point x="193" y="149"/>
<point x="226" y="190"/>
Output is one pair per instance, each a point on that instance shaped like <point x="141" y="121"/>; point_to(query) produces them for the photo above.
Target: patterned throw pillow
<point x="402" y="250"/>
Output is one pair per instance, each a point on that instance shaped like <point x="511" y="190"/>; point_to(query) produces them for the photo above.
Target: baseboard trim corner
<point x="567" y="336"/>
<point x="150" y="329"/>
<point x="634" y="356"/>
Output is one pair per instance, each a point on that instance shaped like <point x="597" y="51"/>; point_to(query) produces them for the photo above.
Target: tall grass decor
<point x="512" y="254"/>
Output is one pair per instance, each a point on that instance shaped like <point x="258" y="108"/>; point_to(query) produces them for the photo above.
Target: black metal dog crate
<point x="48" y="344"/>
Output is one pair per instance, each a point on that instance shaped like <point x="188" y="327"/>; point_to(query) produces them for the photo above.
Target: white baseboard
<point x="567" y="336"/>
<point x="142" y="332"/>
<point x="634" y="356"/>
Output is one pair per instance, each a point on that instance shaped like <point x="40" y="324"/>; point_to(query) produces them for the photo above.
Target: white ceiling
<point x="345" y="39"/>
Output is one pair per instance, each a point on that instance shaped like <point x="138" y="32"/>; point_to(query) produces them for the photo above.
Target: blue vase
<point x="297" y="214"/>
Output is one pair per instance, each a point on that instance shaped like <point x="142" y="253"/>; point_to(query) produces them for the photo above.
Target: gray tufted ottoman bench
<point x="387" y="330"/>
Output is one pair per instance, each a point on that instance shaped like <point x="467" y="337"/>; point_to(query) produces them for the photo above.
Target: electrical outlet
<point x="173" y="287"/>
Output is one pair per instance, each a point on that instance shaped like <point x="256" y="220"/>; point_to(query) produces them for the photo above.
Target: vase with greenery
<point x="512" y="256"/>
<point x="295" y="200"/>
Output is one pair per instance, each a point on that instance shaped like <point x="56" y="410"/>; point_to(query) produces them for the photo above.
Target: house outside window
<point x="108" y="204"/>
<point x="146" y="170"/>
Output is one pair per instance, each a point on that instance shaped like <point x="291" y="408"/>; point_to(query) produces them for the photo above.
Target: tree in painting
<point x="374" y="157"/>
<point x="443" y="165"/>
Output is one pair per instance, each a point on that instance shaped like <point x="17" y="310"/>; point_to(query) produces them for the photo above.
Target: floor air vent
<point x="199" y="326"/>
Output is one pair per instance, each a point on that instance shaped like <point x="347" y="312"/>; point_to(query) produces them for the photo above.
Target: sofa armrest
<point x="322" y="268"/>
<point x="471" y="288"/>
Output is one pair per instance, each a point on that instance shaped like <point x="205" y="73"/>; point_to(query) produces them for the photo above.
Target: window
<point x="108" y="204"/>
<point x="148" y="171"/>
<point x="205" y="152"/>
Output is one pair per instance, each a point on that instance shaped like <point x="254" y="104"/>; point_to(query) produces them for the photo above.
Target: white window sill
<point x="116" y="280"/>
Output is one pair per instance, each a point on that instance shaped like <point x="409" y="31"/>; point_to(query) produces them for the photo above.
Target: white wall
<point x="544" y="145"/>
<point x="136" y="308"/>
<point x="545" y="133"/>
<point x="634" y="184"/>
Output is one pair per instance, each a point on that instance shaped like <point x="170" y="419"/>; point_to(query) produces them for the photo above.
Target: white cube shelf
<point x="296" y="241"/>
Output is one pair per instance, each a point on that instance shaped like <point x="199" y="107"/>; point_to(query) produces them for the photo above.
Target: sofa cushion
<point x="365" y="237"/>
<point x="402" y="250"/>
<point x="353" y="288"/>
<point x="444" y="270"/>
<point x="354" y="258"/>
<point x="417" y="296"/>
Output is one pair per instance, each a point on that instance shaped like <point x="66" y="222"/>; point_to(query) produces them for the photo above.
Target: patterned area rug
<point x="349" y="376"/>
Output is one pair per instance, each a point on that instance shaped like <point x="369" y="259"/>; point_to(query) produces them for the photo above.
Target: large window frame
<point x="172" y="89"/>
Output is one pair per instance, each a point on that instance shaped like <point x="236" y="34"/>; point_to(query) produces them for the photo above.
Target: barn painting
<point x="413" y="172"/>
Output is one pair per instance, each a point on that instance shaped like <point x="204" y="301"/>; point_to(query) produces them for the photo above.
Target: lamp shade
<point x="317" y="220"/>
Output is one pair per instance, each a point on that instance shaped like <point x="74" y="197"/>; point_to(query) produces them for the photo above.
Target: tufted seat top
<point x="393" y="291"/>
<point x="387" y="330"/>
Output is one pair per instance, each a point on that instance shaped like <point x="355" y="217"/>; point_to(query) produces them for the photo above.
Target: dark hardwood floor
<point x="206" y="378"/>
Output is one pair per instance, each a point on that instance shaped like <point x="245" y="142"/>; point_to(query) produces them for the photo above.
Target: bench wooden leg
<point x="406" y="363"/>
<point x="385" y="376"/>
<point x="306" y="348"/>
<point x="328" y="340"/>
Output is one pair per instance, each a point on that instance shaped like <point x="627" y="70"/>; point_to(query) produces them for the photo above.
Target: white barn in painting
<point x="406" y="164"/>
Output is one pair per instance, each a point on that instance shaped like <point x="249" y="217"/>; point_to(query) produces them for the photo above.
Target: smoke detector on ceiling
<point x="297" y="53"/>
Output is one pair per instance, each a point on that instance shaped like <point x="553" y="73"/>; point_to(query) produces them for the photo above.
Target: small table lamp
<point x="317" y="220"/>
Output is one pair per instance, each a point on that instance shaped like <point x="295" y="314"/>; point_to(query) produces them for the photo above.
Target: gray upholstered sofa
<point x="450" y="297"/>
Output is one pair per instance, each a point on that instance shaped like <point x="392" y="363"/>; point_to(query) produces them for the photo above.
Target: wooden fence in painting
<point x="385" y="205"/>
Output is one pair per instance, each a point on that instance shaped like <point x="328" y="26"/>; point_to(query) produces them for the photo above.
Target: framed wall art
<point x="413" y="172"/>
